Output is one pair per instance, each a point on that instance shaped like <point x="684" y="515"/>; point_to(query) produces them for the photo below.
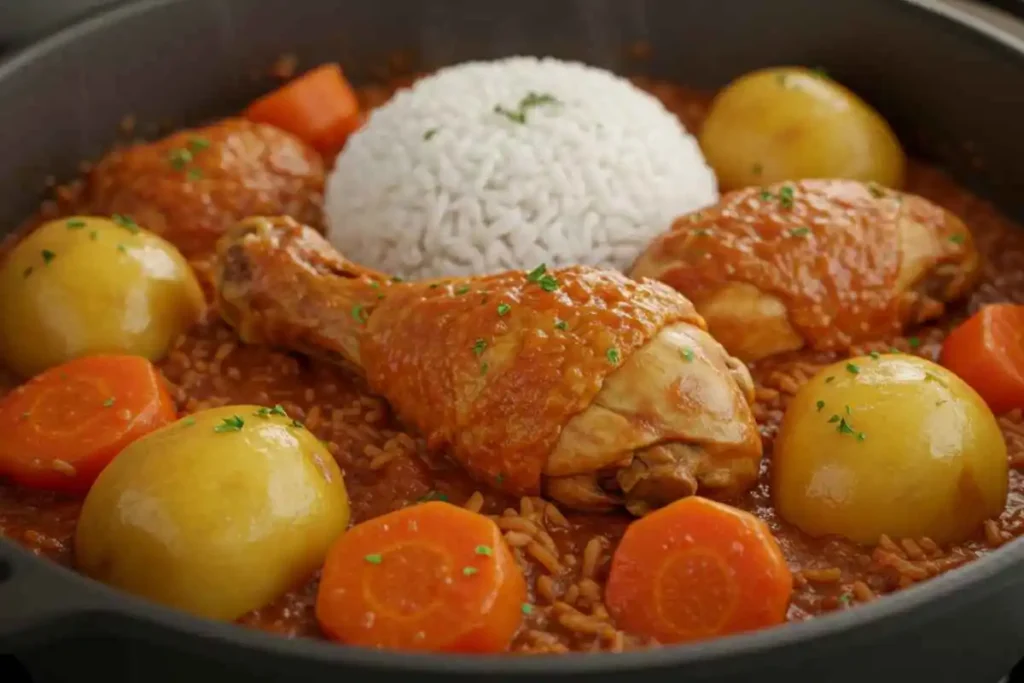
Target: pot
<point x="948" y="83"/>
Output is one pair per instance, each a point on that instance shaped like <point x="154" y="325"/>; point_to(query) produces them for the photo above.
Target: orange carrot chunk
<point x="62" y="427"/>
<point x="697" y="569"/>
<point x="987" y="352"/>
<point x="320" y="107"/>
<point x="431" y="577"/>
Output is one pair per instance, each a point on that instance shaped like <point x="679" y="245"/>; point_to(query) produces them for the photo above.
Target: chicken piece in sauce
<point x="822" y="264"/>
<point x="193" y="185"/>
<point x="598" y="390"/>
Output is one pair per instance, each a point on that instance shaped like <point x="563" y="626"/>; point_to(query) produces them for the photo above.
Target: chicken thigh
<point x="595" y="389"/>
<point x="819" y="263"/>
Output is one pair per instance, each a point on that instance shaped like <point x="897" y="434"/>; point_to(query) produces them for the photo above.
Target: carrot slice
<point x="697" y="569"/>
<point x="61" y="428"/>
<point x="320" y="107"/>
<point x="432" y="577"/>
<point x="987" y="352"/>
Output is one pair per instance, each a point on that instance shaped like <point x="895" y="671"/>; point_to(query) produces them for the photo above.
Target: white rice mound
<point x="439" y="183"/>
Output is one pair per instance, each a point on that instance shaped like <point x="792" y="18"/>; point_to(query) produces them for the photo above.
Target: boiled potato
<point x="892" y="444"/>
<point x="216" y="514"/>
<point x="81" y="286"/>
<point x="793" y="123"/>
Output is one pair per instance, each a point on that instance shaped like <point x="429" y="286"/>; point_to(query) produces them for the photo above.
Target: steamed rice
<point x="489" y="166"/>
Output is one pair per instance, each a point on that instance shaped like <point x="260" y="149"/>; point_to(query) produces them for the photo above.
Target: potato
<point x="82" y="286"/>
<point x="891" y="445"/>
<point x="216" y="514"/>
<point x="792" y="124"/>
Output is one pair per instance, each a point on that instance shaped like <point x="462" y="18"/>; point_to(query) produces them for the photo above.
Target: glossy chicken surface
<point x="821" y="264"/>
<point x="193" y="185"/>
<point x="596" y="389"/>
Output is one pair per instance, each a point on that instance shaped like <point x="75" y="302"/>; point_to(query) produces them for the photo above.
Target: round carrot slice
<point x="432" y="577"/>
<point x="697" y="569"/>
<point x="987" y="352"/>
<point x="62" y="427"/>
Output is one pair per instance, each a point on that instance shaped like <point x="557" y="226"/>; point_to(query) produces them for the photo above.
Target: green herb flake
<point x="820" y="405"/>
<point x="75" y="223"/>
<point x="462" y="289"/>
<point x="914" y="342"/>
<point x="48" y="256"/>
<point x="548" y="283"/>
<point x="433" y="495"/>
<point x="126" y="222"/>
<point x="845" y="599"/>
<point x="359" y="313"/>
<point x="820" y="72"/>
<point x="297" y="425"/>
<point x="613" y="356"/>
<point x="469" y="571"/>
<point x="503" y="309"/>
<point x="527" y="608"/>
<point x="484" y="550"/>
<point x="766" y="196"/>
<point x="430" y="133"/>
<point x="121" y="248"/>
<point x="786" y="196"/>
<point x="957" y="239"/>
<point x="179" y="158"/>
<point x="511" y="115"/>
<point x="529" y="101"/>
<point x="561" y="325"/>
<point x="833" y="419"/>
<point x="498" y="479"/>
<point x="109" y="402"/>
<point x="537" y="273"/>
<point x="875" y="355"/>
<point x="479" y="346"/>
<point x="853" y="368"/>
<point x="799" y="232"/>
<point x="198" y="144"/>
<point x="230" y="424"/>
<point x="194" y="174"/>
<point x="687" y="354"/>
<point x="373" y="558"/>
<point x="929" y="377"/>
<point x="844" y="427"/>
<point x="876" y="191"/>
<point x="484" y="367"/>
<point x="188" y="421"/>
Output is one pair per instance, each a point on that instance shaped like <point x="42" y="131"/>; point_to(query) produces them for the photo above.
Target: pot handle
<point x="37" y="595"/>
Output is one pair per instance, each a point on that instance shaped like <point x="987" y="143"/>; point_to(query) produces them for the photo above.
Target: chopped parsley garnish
<point x="498" y="479"/>
<point x="75" y="223"/>
<point x="230" y="424"/>
<point x="179" y="158"/>
<point x="757" y="169"/>
<point x="126" y="222"/>
<point x="531" y="100"/>
<point x="109" y="402"/>
<point x="484" y="367"/>
<point x="914" y="342"/>
<point x="561" y="325"/>
<point x="503" y="309"/>
<point x="359" y="313"/>
<point x="819" y="72"/>
<point x="537" y="273"/>
<point x="766" y="196"/>
<point x="853" y="368"/>
<point x="876" y="191"/>
<point x="297" y="424"/>
<point x="373" y="558"/>
<point x="548" y="283"/>
<point x="786" y="197"/>
<point x="198" y="144"/>
<point x="820" y="405"/>
<point x="957" y="239"/>
<point x="485" y="550"/>
<point x="845" y="599"/>
<point x="267" y="412"/>
<point x="48" y="256"/>
<point x="612" y="355"/>
<point x="430" y="133"/>
<point x="844" y="427"/>
<point x="799" y="232"/>
<point x="929" y="377"/>
<point x="189" y="421"/>
<point x="527" y="608"/>
<point x="687" y="355"/>
<point x="469" y="571"/>
<point x="194" y="173"/>
<point x="479" y="346"/>
<point x="433" y="495"/>
<point x="121" y="248"/>
<point x="462" y="289"/>
<point x="875" y="355"/>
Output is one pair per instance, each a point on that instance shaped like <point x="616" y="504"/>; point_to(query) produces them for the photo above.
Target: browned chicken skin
<point x="818" y="263"/>
<point x="193" y="185"/>
<point x="598" y="390"/>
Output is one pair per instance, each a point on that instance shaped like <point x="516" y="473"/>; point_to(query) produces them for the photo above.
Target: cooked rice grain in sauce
<point x="565" y="556"/>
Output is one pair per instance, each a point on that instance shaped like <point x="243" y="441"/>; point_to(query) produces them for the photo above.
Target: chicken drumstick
<point x="595" y="389"/>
